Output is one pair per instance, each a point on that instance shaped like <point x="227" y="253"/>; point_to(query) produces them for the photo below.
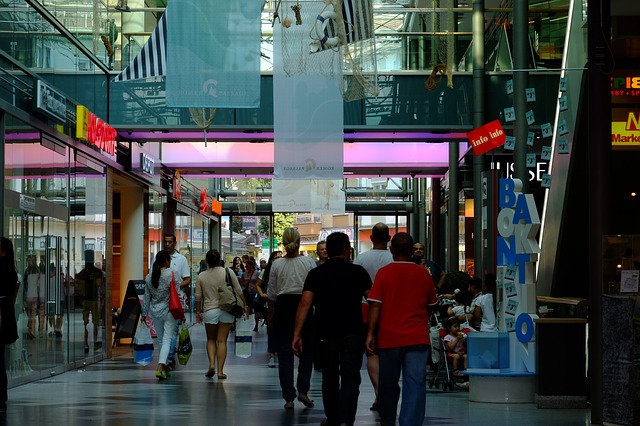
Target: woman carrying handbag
<point x="155" y="304"/>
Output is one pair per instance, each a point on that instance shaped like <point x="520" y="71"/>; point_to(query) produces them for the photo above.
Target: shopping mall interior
<point x="111" y="139"/>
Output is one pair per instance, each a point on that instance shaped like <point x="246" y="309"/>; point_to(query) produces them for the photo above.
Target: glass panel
<point x="36" y="214"/>
<point x="88" y="247"/>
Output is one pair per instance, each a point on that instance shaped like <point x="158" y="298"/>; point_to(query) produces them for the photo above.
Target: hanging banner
<point x="308" y="110"/>
<point x="320" y="196"/>
<point x="213" y="54"/>
<point x="487" y="137"/>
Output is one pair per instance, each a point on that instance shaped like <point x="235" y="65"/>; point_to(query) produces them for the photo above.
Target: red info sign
<point x="487" y="137"/>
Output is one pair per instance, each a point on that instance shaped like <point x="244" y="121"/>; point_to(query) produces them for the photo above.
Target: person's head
<point x="213" y="258"/>
<point x="245" y="258"/>
<point x="236" y="261"/>
<point x="89" y="257"/>
<point x="291" y="241"/>
<point x="250" y="266"/>
<point x="6" y="251"/>
<point x="263" y="263"/>
<point x="163" y="260"/>
<point x="452" y="325"/>
<point x="401" y="246"/>
<point x="321" y="249"/>
<point x="273" y="256"/>
<point x="418" y="250"/>
<point x="170" y="243"/>
<point x="380" y="236"/>
<point x="475" y="286"/>
<point x="338" y="245"/>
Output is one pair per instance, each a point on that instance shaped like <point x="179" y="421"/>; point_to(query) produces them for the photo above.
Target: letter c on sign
<point x="527" y="335"/>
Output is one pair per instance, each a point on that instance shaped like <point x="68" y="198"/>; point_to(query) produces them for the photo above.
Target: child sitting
<point x="456" y="344"/>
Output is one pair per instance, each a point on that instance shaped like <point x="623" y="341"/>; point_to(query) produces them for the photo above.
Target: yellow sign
<point x="625" y="128"/>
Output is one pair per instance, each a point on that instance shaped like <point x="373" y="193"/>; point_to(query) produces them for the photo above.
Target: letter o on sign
<point x="524" y="336"/>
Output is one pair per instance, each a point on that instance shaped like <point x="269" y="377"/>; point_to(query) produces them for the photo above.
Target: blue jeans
<point x="341" y="361"/>
<point x="284" y="338"/>
<point x="412" y="361"/>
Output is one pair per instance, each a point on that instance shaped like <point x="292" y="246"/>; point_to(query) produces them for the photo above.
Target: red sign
<point x="203" y="201"/>
<point x="487" y="137"/>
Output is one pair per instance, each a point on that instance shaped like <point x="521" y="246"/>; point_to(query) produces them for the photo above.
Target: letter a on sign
<point x="487" y="137"/>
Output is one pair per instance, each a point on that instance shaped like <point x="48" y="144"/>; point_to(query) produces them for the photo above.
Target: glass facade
<point x="55" y="213"/>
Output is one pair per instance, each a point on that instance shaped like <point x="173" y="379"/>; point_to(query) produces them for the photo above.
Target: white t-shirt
<point x="373" y="260"/>
<point x="288" y="274"/>
<point x="180" y="266"/>
<point x="485" y="302"/>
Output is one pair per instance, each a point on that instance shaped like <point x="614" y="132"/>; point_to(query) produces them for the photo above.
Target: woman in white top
<point x="217" y="322"/>
<point x="155" y="304"/>
<point x="485" y="305"/>
<point x="286" y="281"/>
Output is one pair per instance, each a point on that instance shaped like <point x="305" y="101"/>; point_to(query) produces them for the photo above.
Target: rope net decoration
<point x="246" y="196"/>
<point x="360" y="69"/>
<point x="444" y="44"/>
<point x="203" y="118"/>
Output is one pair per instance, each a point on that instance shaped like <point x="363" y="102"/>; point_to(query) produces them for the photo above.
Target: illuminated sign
<point x="92" y="129"/>
<point x="147" y="163"/>
<point x="625" y="128"/>
<point x="50" y="101"/>
<point x="625" y="86"/>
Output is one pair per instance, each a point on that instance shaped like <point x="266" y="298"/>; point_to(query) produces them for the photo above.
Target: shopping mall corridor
<point x="119" y="392"/>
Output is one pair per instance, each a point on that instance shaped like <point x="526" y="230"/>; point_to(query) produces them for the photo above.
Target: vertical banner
<point x="308" y="109"/>
<point x="320" y="196"/>
<point x="213" y="54"/>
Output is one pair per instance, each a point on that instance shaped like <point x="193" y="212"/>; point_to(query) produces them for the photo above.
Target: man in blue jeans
<point x="399" y="304"/>
<point x="335" y="289"/>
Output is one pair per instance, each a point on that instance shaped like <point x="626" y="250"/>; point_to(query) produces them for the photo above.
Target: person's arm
<point x="372" y="323"/>
<point x="198" y="300"/>
<point x="301" y="316"/>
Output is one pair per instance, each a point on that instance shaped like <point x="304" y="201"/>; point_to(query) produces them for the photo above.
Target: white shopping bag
<point x="244" y="330"/>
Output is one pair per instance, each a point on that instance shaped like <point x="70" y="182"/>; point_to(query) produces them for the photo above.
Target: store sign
<point x="487" y="137"/>
<point x="625" y="86"/>
<point x="28" y="204"/>
<point x="92" y="129"/>
<point x="625" y="128"/>
<point x="50" y="101"/>
<point x="147" y="163"/>
<point x="216" y="207"/>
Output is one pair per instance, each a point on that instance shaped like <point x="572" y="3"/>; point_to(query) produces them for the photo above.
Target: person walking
<point x="398" y="326"/>
<point x="286" y="281"/>
<point x="217" y="322"/>
<point x="372" y="260"/>
<point x="8" y="327"/>
<point x="335" y="290"/>
<point x="155" y="304"/>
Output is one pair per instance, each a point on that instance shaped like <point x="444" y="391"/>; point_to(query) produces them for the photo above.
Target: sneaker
<point x="305" y="400"/>
<point x="272" y="363"/>
<point x="288" y="405"/>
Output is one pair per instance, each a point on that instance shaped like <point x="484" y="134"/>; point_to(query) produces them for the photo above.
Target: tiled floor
<point x="118" y="392"/>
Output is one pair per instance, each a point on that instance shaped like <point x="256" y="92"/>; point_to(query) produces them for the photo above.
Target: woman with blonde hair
<point x="286" y="281"/>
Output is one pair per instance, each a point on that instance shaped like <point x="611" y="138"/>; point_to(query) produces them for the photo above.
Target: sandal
<point x="222" y="376"/>
<point x="209" y="374"/>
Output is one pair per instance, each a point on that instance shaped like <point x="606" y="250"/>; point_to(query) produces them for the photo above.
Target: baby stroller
<point x="439" y="374"/>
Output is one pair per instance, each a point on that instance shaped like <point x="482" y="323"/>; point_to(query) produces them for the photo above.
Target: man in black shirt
<point x="335" y="289"/>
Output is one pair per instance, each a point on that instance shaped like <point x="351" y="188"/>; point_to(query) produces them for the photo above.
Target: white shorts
<point x="216" y="315"/>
